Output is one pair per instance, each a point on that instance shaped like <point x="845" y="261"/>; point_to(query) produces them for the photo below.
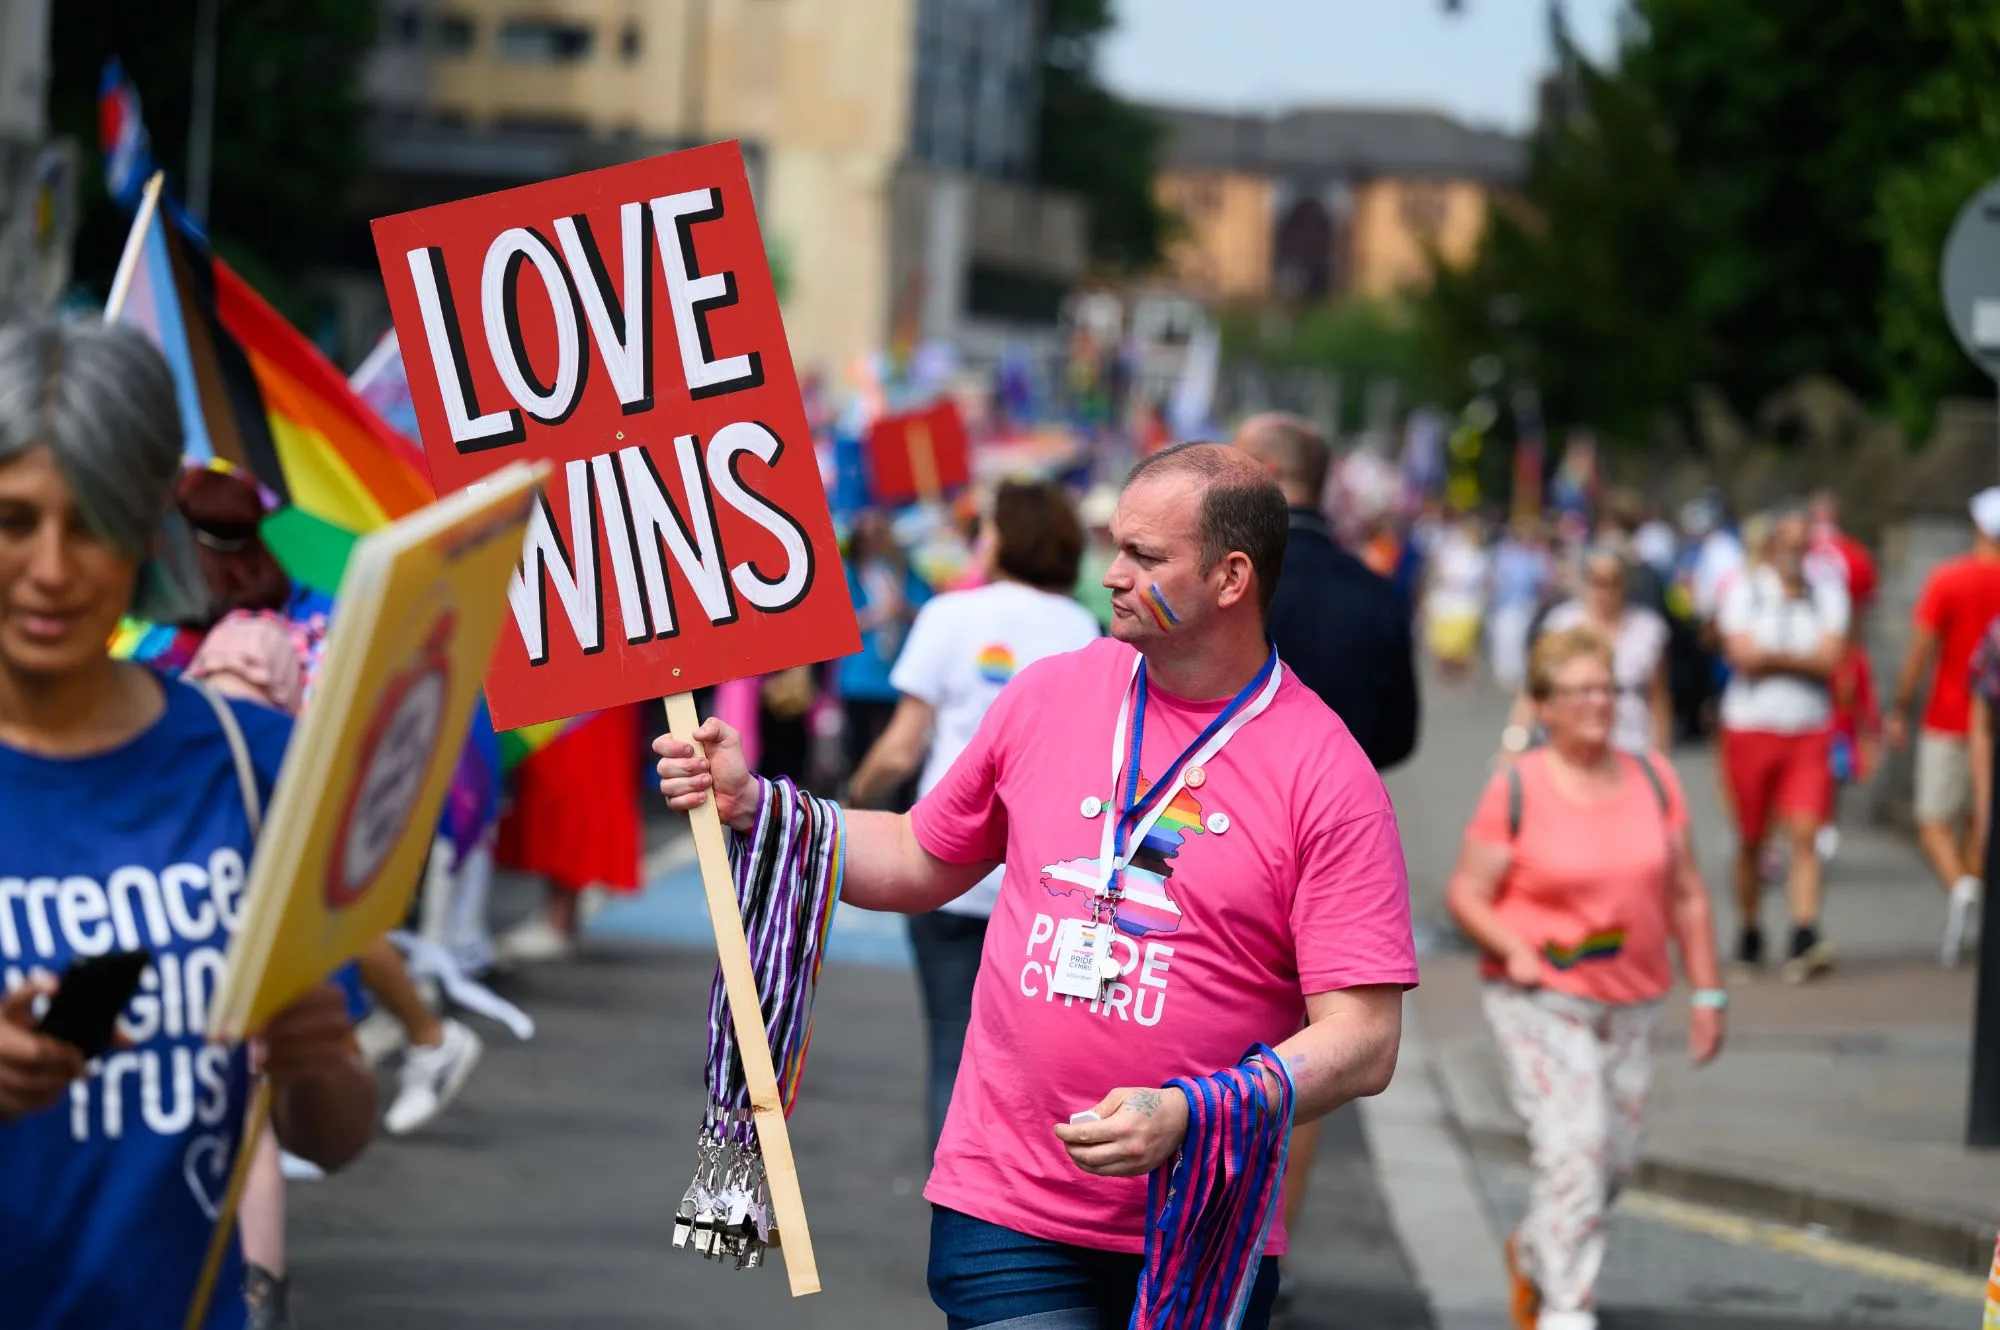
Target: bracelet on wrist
<point x="1715" y="998"/>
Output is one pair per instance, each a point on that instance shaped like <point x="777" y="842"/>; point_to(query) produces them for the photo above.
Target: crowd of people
<point x="1241" y="656"/>
<point x="1623" y="638"/>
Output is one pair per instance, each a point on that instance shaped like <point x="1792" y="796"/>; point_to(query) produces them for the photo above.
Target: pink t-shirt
<point x="1587" y="884"/>
<point x="1297" y="887"/>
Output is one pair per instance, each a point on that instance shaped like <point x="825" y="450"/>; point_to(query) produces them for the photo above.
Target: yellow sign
<point x="357" y="801"/>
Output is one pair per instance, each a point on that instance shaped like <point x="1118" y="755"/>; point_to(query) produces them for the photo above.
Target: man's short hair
<point x="1292" y="445"/>
<point x="1242" y="508"/>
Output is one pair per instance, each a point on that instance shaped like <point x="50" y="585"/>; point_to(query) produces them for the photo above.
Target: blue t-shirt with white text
<point x="107" y="1200"/>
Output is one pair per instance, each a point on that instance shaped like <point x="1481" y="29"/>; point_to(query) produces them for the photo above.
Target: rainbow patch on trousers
<point x="1597" y="947"/>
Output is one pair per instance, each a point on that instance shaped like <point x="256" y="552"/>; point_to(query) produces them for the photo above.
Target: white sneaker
<point x="533" y="942"/>
<point x="296" y="1169"/>
<point x="1566" y="1321"/>
<point x="431" y="1078"/>
<point x="380" y="1036"/>
<point x="1826" y="843"/>
<point x="1958" y="919"/>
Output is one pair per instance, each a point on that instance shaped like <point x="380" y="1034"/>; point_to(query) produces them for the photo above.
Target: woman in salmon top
<point x="1575" y="875"/>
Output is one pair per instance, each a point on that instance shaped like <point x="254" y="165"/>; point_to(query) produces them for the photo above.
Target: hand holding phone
<point x="94" y="992"/>
<point x="35" y="1071"/>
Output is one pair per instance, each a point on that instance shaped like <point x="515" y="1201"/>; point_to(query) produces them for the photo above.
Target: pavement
<point x="1840" y="1104"/>
<point x="1811" y="1178"/>
<point x="545" y="1198"/>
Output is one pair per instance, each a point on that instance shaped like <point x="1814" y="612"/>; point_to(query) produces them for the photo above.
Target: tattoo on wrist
<point x="1146" y="1102"/>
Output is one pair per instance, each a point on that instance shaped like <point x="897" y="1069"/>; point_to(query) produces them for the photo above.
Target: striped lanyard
<point x="1209" y="1213"/>
<point x="1133" y="814"/>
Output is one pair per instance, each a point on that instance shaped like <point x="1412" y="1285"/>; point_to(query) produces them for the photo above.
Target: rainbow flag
<point x="255" y="394"/>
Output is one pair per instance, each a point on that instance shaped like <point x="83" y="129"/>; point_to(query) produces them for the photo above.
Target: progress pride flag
<point x="622" y="324"/>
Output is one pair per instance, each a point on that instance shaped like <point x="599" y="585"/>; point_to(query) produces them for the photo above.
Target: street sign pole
<point x="1982" y="1130"/>
<point x="1969" y="275"/>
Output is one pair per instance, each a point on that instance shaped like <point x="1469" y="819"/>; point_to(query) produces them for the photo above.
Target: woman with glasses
<point x="1644" y="716"/>
<point x="1575" y="879"/>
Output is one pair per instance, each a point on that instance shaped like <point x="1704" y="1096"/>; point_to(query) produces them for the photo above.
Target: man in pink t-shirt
<point x="1267" y="902"/>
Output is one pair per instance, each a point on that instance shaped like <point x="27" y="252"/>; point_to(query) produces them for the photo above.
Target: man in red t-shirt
<point x="1960" y="598"/>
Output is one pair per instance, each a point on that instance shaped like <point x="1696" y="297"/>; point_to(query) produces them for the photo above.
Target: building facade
<point x="1325" y="203"/>
<point x="864" y="122"/>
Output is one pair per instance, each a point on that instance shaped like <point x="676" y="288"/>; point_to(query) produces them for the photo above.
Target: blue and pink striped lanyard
<point x="1207" y="1218"/>
<point x="1133" y="815"/>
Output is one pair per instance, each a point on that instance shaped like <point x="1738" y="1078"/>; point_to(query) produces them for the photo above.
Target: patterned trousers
<point x="1578" y="1072"/>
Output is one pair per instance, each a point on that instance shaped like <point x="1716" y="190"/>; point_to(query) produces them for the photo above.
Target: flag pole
<point x="135" y="245"/>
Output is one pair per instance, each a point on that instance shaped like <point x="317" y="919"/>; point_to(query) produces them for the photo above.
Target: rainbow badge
<point x="995" y="664"/>
<point x="1163" y="613"/>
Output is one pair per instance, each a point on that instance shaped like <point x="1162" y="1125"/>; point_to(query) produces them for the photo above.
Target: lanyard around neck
<point x="1130" y="817"/>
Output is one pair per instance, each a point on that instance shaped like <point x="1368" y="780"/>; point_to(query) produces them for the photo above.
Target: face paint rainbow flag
<point x="1163" y="613"/>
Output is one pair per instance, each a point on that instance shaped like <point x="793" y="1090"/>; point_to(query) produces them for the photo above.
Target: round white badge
<point x="1093" y="806"/>
<point x="1218" y="822"/>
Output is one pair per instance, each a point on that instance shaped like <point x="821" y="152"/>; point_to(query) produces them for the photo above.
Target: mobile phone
<point x="94" y="992"/>
<point x="1078" y="1119"/>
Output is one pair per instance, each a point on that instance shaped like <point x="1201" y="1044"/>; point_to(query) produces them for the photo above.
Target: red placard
<point x="622" y="324"/>
<point x="918" y="455"/>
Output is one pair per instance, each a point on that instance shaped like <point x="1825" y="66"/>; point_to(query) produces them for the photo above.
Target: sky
<point x="1247" y="55"/>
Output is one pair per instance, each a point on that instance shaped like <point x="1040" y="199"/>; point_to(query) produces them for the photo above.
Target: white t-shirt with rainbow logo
<point x="962" y="650"/>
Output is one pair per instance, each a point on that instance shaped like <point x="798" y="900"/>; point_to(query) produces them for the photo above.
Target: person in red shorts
<point x="1784" y="634"/>
<point x="1960" y="598"/>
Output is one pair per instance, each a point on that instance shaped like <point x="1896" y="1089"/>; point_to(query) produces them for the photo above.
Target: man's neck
<point x="1213" y="670"/>
<point x="1298" y="496"/>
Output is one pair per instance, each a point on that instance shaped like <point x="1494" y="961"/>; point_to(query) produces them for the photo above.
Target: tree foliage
<point x="1744" y="197"/>
<point x="288" y="118"/>
<point x="1957" y="108"/>
<point x="1095" y="145"/>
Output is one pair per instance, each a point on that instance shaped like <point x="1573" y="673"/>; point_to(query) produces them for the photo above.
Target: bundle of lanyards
<point x="1208" y="1216"/>
<point x="787" y="873"/>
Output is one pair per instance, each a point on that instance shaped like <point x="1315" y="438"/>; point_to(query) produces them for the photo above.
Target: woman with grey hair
<point x="129" y="806"/>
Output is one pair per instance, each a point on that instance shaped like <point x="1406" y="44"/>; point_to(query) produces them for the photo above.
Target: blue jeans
<point x="983" y="1275"/>
<point x="947" y="947"/>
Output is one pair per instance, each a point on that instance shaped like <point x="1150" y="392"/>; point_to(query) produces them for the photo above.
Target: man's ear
<point x="1238" y="579"/>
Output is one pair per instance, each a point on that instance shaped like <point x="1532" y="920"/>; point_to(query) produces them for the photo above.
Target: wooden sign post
<point x="746" y="1012"/>
<point x="341" y="848"/>
<point x="621" y="324"/>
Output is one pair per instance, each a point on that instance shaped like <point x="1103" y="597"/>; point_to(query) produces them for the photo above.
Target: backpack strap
<point x="1654" y="779"/>
<point x="1513" y="801"/>
<point x="1515" y="792"/>
<point x="239" y="752"/>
